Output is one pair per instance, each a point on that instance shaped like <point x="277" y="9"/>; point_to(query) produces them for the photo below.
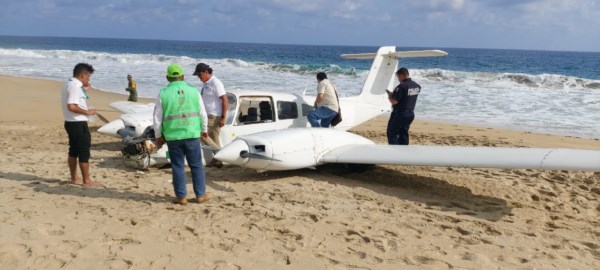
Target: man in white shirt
<point x="215" y="101"/>
<point x="75" y="110"/>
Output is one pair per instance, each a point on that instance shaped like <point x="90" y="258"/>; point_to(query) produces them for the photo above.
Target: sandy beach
<point x="391" y="217"/>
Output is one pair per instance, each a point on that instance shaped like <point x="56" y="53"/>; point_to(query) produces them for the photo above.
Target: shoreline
<point x="63" y="81"/>
<point x="107" y="97"/>
<point x="389" y="217"/>
<point x="512" y="129"/>
<point x="38" y="100"/>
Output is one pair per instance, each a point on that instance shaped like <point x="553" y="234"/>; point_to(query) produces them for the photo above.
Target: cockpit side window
<point x="287" y="110"/>
<point x="254" y="109"/>
<point x="266" y="110"/>
<point x="306" y="109"/>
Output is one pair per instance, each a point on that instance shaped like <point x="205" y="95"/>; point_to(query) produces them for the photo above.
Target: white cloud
<point x="300" y="6"/>
<point x="336" y="22"/>
<point x="352" y="5"/>
<point x="438" y="4"/>
<point x="189" y="2"/>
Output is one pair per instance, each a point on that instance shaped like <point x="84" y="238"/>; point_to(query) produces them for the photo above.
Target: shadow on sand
<point x="433" y="193"/>
<point x="60" y="187"/>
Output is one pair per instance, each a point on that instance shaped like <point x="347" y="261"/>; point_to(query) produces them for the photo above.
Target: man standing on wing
<point x="180" y="120"/>
<point x="403" y="101"/>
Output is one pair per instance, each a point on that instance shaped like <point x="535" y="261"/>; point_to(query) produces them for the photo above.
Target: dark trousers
<point x="80" y="140"/>
<point x="398" y="126"/>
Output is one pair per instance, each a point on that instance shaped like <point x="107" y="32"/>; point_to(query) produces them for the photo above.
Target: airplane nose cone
<point x="231" y="153"/>
<point x="112" y="128"/>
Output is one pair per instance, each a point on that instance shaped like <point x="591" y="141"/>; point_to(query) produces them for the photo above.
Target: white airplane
<point x="268" y="131"/>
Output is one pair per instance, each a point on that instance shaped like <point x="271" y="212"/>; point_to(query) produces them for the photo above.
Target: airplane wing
<point x="471" y="157"/>
<point x="132" y="107"/>
<point x="290" y="149"/>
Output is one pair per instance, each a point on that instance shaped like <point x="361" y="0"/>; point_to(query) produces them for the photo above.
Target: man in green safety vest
<point x="179" y="120"/>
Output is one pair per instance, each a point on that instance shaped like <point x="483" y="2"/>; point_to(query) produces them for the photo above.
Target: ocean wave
<point x="593" y="85"/>
<point x="23" y="53"/>
<point x="127" y="58"/>
<point x="490" y="79"/>
<point x="541" y="81"/>
<point x="238" y="62"/>
<point x="95" y="56"/>
<point x="591" y="101"/>
<point x="313" y="69"/>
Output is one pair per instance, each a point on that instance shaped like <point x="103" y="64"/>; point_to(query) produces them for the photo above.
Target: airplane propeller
<point x="102" y="118"/>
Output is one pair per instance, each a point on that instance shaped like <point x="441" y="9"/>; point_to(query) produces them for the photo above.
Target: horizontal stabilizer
<point x="360" y="56"/>
<point x="470" y="157"/>
<point x="397" y="55"/>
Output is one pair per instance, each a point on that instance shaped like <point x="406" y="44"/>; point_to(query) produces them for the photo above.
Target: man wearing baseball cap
<point x="215" y="101"/>
<point x="180" y="120"/>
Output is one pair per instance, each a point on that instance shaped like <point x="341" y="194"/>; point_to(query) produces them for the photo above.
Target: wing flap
<point x="471" y="157"/>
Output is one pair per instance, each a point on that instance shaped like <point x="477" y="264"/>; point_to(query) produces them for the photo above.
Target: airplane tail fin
<point x="372" y="99"/>
<point x="385" y="64"/>
<point x="381" y="74"/>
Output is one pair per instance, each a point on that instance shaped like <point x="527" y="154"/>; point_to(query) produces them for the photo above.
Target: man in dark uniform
<point x="403" y="101"/>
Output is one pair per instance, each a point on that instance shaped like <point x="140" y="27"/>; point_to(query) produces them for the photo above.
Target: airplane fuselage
<point x="256" y="111"/>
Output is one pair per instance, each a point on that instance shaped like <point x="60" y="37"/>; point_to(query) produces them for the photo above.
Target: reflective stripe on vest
<point x="180" y="116"/>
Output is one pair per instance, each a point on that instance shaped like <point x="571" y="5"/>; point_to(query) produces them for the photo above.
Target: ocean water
<point x="541" y="91"/>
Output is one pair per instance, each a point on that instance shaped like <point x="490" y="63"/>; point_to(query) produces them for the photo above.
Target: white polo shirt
<point x="211" y="91"/>
<point x="73" y="93"/>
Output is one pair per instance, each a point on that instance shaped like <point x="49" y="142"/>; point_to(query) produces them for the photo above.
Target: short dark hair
<point x="201" y="67"/>
<point x="82" y="67"/>
<point x="402" y="71"/>
<point x="321" y="76"/>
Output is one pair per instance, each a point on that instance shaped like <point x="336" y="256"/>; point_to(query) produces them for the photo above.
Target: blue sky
<point x="572" y="25"/>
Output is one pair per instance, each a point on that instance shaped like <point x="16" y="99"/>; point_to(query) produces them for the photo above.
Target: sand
<point x="391" y="217"/>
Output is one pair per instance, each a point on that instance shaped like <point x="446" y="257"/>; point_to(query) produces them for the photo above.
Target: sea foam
<point x="542" y="102"/>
